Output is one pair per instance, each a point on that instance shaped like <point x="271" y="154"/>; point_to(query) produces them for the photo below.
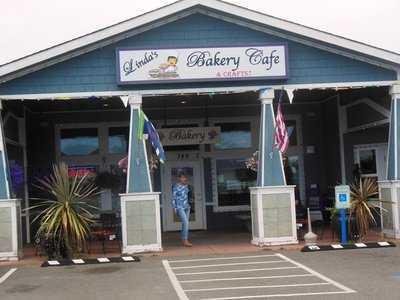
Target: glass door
<point x="170" y="175"/>
<point x="96" y="148"/>
<point x="371" y="160"/>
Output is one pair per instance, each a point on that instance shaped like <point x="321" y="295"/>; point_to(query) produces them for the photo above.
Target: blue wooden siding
<point x="95" y="71"/>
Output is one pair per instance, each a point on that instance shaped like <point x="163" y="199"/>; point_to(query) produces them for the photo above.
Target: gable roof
<point x="183" y="8"/>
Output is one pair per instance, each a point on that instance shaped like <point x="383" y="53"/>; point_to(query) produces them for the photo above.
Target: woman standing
<point x="180" y="203"/>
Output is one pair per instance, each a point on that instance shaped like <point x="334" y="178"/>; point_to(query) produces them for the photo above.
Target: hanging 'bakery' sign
<point x="189" y="135"/>
<point x="202" y="64"/>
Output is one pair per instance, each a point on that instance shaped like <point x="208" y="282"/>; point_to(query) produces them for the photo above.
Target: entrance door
<point x="192" y="169"/>
<point x="371" y="160"/>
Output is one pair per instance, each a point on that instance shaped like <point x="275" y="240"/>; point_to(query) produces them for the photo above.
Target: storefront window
<point x="234" y="136"/>
<point x="291" y="166"/>
<point x="368" y="161"/>
<point x="118" y="138"/>
<point x="11" y="129"/>
<point x="79" y="141"/>
<point x="16" y="168"/>
<point x="292" y="131"/>
<point x="233" y="182"/>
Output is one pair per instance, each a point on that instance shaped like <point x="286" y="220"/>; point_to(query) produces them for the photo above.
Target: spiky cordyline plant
<point x="362" y="208"/>
<point x="66" y="216"/>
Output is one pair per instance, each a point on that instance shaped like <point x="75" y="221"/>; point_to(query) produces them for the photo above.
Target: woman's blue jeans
<point x="184" y="214"/>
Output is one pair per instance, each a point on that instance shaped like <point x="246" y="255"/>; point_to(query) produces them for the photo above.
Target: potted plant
<point x="64" y="222"/>
<point x="364" y="208"/>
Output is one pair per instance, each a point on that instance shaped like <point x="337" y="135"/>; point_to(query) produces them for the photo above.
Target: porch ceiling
<point x="210" y="100"/>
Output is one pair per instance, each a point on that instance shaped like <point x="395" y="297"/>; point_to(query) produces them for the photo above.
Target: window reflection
<point x="11" y="129"/>
<point x="233" y="182"/>
<point x="79" y="141"/>
<point x="234" y="136"/>
<point x="118" y="138"/>
<point x="292" y="131"/>
<point x="368" y="161"/>
<point x="291" y="166"/>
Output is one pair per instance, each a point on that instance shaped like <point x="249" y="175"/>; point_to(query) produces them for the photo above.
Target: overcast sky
<point x="27" y="26"/>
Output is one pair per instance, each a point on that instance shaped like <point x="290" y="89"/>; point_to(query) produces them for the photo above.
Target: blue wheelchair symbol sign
<point x="343" y="197"/>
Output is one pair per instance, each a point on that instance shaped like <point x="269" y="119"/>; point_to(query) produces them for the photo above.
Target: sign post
<point x="342" y="196"/>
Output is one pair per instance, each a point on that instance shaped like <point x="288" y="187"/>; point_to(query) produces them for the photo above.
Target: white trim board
<point x="184" y="8"/>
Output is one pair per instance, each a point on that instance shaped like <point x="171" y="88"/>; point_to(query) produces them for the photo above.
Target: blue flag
<point x="154" y="139"/>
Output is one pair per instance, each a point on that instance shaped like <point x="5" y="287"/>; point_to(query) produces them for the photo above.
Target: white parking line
<point x="239" y="282"/>
<point x="323" y="277"/>
<point x="257" y="287"/>
<point x="175" y="283"/>
<point x="220" y="258"/>
<point x="246" y="278"/>
<point x="235" y="271"/>
<point x="275" y="295"/>
<point x="6" y="275"/>
<point x="232" y="264"/>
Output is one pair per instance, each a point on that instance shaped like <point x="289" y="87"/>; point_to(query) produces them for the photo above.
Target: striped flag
<point x="154" y="139"/>
<point x="145" y="127"/>
<point x="281" y="133"/>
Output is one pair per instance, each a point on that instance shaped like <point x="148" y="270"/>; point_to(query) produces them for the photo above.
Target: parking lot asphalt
<point x="3" y="270"/>
<point x="347" y="274"/>
<point x="144" y="280"/>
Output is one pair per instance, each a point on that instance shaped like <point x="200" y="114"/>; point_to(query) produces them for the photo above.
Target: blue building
<point x="209" y="75"/>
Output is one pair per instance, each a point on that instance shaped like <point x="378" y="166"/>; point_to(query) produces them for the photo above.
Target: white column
<point x="272" y="201"/>
<point x="10" y="209"/>
<point x="389" y="190"/>
<point x="140" y="207"/>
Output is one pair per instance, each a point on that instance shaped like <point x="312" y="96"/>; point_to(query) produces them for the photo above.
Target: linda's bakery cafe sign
<point x="189" y="136"/>
<point x="202" y="64"/>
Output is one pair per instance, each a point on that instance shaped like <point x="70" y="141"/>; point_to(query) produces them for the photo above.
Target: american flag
<point x="281" y="133"/>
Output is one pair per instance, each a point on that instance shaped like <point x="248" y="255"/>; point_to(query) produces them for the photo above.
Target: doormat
<point x="90" y="261"/>
<point x="317" y="248"/>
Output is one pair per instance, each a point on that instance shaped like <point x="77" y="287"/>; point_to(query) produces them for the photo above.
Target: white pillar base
<point x="10" y="229"/>
<point x="273" y="214"/>
<point x="141" y="222"/>
<point x="389" y="193"/>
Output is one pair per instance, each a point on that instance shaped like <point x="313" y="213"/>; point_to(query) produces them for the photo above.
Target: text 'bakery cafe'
<point x="202" y="63"/>
<point x="200" y="88"/>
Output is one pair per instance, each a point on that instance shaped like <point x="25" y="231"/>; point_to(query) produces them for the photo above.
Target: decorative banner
<point x="189" y="136"/>
<point x="290" y="93"/>
<point x="202" y="64"/>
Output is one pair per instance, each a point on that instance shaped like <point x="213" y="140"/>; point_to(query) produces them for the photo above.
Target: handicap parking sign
<point x="342" y="196"/>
